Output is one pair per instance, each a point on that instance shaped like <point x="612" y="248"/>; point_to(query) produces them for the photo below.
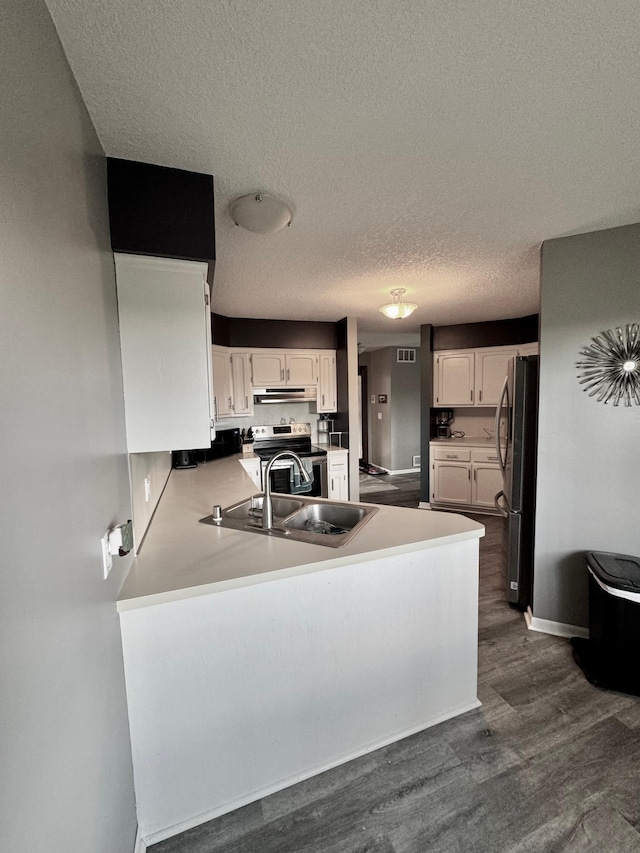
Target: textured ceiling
<point x="422" y="144"/>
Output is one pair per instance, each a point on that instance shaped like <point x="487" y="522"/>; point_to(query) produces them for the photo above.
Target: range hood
<point x="283" y="395"/>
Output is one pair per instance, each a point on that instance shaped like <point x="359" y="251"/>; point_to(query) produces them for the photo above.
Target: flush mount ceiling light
<point x="611" y="366"/>
<point x="398" y="310"/>
<point x="260" y="213"/>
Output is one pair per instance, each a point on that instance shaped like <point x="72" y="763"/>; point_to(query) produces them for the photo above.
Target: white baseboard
<point x="558" y="629"/>
<point x="398" y="471"/>
<point x="176" y="829"/>
<point x="141" y="845"/>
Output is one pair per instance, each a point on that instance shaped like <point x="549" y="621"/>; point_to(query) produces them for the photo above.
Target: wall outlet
<point x="373" y="399"/>
<point x="147" y="489"/>
<point x="107" y="559"/>
<point x="379" y="416"/>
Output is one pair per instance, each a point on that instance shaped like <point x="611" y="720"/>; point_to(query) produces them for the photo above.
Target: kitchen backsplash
<point x="473" y="422"/>
<point x="272" y="413"/>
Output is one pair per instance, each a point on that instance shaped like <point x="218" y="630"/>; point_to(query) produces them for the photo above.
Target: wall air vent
<point x="406" y="356"/>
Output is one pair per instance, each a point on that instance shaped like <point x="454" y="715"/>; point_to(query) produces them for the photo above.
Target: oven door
<point x="284" y="475"/>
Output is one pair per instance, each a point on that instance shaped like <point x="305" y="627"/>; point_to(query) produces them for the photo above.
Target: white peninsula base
<point x="239" y="693"/>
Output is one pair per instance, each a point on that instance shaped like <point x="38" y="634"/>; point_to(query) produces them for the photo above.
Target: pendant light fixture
<point x="398" y="310"/>
<point x="261" y="213"/>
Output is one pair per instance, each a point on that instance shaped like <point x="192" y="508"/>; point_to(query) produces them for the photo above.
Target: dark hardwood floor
<point x="549" y="763"/>
<point x="406" y="493"/>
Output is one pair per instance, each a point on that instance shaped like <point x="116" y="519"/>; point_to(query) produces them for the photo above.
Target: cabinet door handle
<point x="452" y="455"/>
<point x="332" y="484"/>
<point x="282" y="375"/>
<point x="480" y="396"/>
<point x="230" y="403"/>
<point x="288" y="374"/>
<point x="246" y="402"/>
<point x="215" y="408"/>
<point x="471" y="394"/>
<point x="469" y="473"/>
<point x="323" y="399"/>
<point x="475" y="475"/>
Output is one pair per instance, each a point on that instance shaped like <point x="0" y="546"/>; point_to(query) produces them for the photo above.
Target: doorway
<point x="363" y="398"/>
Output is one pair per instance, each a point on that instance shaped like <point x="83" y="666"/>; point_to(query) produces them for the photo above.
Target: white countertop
<point x="181" y="558"/>
<point x="468" y="441"/>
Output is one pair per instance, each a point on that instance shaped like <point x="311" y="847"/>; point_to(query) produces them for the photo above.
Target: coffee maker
<point x="443" y="423"/>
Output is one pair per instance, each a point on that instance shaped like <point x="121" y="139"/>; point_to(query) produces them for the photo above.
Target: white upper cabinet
<point x="165" y="342"/>
<point x="242" y="392"/>
<point x="221" y="382"/>
<point x="454" y="378"/>
<point x="268" y="369"/>
<point x="231" y="383"/>
<point x="327" y="391"/>
<point x="274" y="368"/>
<point x="472" y="377"/>
<point x="492" y="366"/>
<point x="301" y="368"/>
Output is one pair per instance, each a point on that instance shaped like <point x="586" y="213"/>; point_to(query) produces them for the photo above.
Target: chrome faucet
<point x="305" y="485"/>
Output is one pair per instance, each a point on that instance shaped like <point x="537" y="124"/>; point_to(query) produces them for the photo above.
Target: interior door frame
<point x="364" y="411"/>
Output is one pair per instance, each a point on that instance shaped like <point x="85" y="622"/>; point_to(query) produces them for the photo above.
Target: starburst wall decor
<point x="610" y="368"/>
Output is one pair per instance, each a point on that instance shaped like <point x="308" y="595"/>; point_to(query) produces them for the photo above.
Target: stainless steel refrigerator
<point x="517" y="500"/>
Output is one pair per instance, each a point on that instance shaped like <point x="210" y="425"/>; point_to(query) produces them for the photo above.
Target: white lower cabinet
<point x="338" y="476"/>
<point x="252" y="467"/>
<point x="486" y="482"/>
<point x="452" y="482"/>
<point x="464" y="477"/>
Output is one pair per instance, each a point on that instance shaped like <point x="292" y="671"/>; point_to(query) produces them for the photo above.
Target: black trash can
<point x="610" y="658"/>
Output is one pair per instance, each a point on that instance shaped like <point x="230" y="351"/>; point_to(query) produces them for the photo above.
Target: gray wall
<point x="66" y="782"/>
<point x="405" y="411"/>
<point x="589" y="464"/>
<point x="396" y="438"/>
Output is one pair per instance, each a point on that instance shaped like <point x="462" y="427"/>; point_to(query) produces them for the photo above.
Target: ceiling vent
<point x="406" y="356"/>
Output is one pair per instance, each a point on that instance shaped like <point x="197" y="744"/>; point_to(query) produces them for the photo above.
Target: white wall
<point x="588" y="458"/>
<point x="66" y="783"/>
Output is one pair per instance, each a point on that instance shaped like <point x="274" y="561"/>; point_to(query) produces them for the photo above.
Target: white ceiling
<point x="422" y="144"/>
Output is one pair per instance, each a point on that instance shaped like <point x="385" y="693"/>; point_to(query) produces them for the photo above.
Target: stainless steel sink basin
<point x="283" y="505"/>
<point x="331" y="519"/>
<point x="330" y="523"/>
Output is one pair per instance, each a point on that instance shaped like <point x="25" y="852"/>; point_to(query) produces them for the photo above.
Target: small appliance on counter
<point x="443" y="422"/>
<point x="226" y="443"/>
<point x="325" y="428"/>
<point x="183" y="459"/>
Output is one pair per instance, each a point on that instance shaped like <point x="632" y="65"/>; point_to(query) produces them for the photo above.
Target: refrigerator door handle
<point x="505" y="393"/>
<point x="503" y="510"/>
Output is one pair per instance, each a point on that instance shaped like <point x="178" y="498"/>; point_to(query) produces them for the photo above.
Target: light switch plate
<point x="107" y="559"/>
<point x="373" y="399"/>
<point x="379" y="416"/>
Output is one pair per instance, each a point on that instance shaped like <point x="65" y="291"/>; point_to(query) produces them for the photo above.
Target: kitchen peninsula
<point x="253" y="662"/>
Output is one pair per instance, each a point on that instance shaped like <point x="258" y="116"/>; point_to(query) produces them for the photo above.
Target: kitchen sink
<point x="331" y="523"/>
<point x="330" y="518"/>
<point x="282" y="507"/>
